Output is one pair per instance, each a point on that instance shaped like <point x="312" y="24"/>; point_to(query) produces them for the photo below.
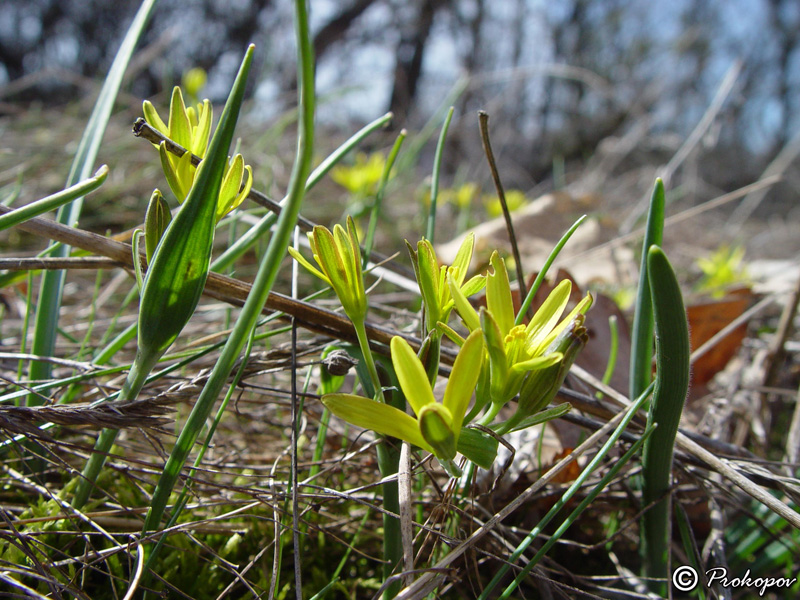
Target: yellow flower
<point x="189" y="127"/>
<point x="515" y="199"/>
<point x="339" y="258"/>
<point x="438" y="426"/>
<point x="516" y="350"/>
<point x="363" y="177"/>
<point x="433" y="279"/>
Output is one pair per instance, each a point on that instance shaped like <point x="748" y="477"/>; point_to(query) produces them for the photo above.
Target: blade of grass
<point x="483" y="120"/>
<point x="376" y="205"/>
<point x="52" y="284"/>
<point x="265" y="277"/>
<point x="54" y="201"/>
<point x="573" y="516"/>
<point x="671" y="388"/>
<point x="543" y="272"/>
<point x="437" y="167"/>
<point x="613" y="349"/>
<point x="612" y="440"/>
<point x="642" y="333"/>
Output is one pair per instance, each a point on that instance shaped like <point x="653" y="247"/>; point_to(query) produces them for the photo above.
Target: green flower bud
<point x="156" y="219"/>
<point x="541" y="386"/>
<point x="435" y="425"/>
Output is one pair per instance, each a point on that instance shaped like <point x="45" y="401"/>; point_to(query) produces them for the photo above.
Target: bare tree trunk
<point x="338" y="27"/>
<point x="408" y="65"/>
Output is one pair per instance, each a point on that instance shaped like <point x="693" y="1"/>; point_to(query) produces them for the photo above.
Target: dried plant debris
<point x="148" y="413"/>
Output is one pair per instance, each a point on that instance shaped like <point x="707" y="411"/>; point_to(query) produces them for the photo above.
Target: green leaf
<point x="377" y="416"/>
<point x="543" y="416"/>
<point x="477" y="446"/>
<point x="80" y="189"/>
<point x="50" y="291"/>
<point x="411" y="375"/>
<point x="177" y="275"/>
<point x="642" y="329"/>
<point x="671" y="387"/>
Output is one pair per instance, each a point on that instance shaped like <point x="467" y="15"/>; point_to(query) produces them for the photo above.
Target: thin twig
<point x="72" y="262"/>
<point x="483" y="120"/>
<point x="730" y="328"/>
<point x="776" y="350"/>
<point x="406" y="513"/>
<point x="138" y="574"/>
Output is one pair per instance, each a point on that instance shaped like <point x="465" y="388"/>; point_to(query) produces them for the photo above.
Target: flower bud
<point x="156" y="219"/>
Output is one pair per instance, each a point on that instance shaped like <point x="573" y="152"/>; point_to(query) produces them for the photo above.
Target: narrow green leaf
<point x="543" y="271"/>
<point x="642" y="330"/>
<point x="542" y="416"/>
<point x="671" y="387"/>
<point x="34" y="209"/>
<point x="50" y="291"/>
